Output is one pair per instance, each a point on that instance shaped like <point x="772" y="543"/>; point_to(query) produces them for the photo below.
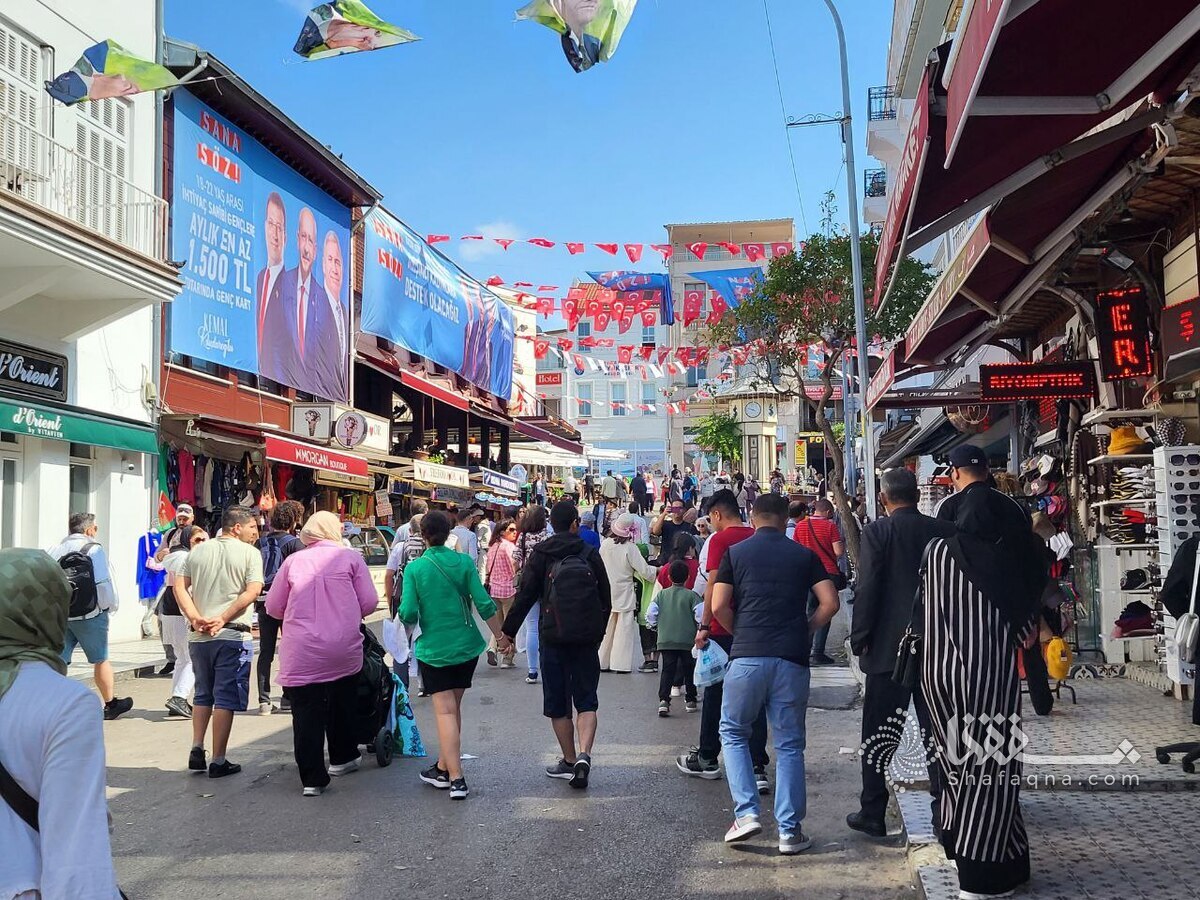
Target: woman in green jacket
<point x="440" y="588"/>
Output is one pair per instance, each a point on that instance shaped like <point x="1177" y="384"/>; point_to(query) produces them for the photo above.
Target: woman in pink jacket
<point x="322" y="594"/>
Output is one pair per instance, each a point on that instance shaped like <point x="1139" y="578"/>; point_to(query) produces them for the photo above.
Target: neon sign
<point x="1013" y="382"/>
<point x="1123" y="333"/>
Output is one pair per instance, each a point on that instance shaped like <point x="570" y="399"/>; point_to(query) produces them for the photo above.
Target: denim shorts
<point x="90" y="634"/>
<point x="222" y="670"/>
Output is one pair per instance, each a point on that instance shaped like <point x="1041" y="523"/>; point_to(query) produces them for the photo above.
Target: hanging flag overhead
<point x="734" y="285"/>
<point x="107" y="70"/>
<point x="633" y="281"/>
<point x="590" y="29"/>
<point x="347" y="26"/>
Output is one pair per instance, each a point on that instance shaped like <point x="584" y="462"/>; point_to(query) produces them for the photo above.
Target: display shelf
<point x="1117" y="457"/>
<point x="1135" y="638"/>
<point x="1139" y="591"/>
<point x="1139" y="501"/>
<point x="1100" y="416"/>
<point x="1116" y="546"/>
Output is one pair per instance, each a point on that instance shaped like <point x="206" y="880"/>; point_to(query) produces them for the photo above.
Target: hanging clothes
<point x="201" y="466"/>
<point x="206" y="488"/>
<point x="172" y="467"/>
<point x="187" y="477"/>
<point x="149" y="580"/>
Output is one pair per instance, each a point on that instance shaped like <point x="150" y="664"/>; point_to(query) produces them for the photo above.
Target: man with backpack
<point x="567" y="577"/>
<point x="279" y="543"/>
<point x="93" y="599"/>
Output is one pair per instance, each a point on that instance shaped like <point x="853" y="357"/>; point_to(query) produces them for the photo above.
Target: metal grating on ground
<point x="917" y="817"/>
<point x="938" y="882"/>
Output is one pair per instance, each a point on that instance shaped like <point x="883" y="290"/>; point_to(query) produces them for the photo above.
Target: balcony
<point x="885" y="130"/>
<point x="875" y="200"/>
<point x="881" y="103"/>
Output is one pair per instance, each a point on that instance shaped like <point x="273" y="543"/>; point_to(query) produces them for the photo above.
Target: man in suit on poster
<point x="477" y="361"/>
<point x="270" y="304"/>
<point x="335" y="351"/>
<point x="310" y="320"/>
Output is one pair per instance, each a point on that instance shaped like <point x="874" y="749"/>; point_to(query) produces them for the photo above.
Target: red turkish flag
<point x="495" y="281"/>
<point x="607" y="296"/>
<point x="437" y="238"/>
<point x="642" y="371"/>
<point x="610" y="249"/>
<point x="646" y="353"/>
<point x="523" y="284"/>
<point x="603" y="318"/>
<point x="647" y="318"/>
<point x="570" y="308"/>
<point x="755" y="252"/>
<point x="701" y="355"/>
<point x="684" y="354"/>
<point x="588" y="342"/>
<point x="634" y="251"/>
<point x="565" y="344"/>
<point x="625" y="320"/>
<point x="605" y="342"/>
<point x="545" y="306"/>
<point x="664" y="249"/>
<point x="576" y="293"/>
<point x="618" y="309"/>
<point x="734" y="249"/>
<point x="591" y="307"/>
<point x="699" y="248"/>
<point x="541" y="242"/>
<point x="718" y="308"/>
<point x="471" y="237"/>
<point x="663" y="353"/>
<point x="504" y="242"/>
<point x="781" y="249"/>
<point x="683" y="406"/>
<point x="579" y="363"/>
<point x="640" y="299"/>
<point x="540" y="348"/>
<point x="693" y="303"/>
<point x="740" y="355"/>
<point x="625" y="355"/>
<point x="547" y="288"/>
<point x="574" y="247"/>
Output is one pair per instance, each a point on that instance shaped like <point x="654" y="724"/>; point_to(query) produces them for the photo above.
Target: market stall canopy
<point x="1022" y="80"/>
<point x="545" y="455"/>
<point x="540" y="431"/>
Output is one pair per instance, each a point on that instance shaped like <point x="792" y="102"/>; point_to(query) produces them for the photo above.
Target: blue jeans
<point x="532" y="642"/>
<point x="781" y="687"/>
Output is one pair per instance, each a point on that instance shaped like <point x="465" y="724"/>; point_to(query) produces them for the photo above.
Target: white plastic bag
<point x="711" y="663"/>
<point x="395" y="640"/>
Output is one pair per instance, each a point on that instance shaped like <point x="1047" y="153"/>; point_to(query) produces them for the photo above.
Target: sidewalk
<point x="130" y="659"/>
<point x="1105" y="819"/>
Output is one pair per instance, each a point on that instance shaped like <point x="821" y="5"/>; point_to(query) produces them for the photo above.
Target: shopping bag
<point x="395" y="640"/>
<point x="406" y="737"/>
<point x="710" y="664"/>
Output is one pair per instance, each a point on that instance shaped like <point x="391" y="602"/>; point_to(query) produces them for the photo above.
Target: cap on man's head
<point x="184" y="509"/>
<point x="965" y="456"/>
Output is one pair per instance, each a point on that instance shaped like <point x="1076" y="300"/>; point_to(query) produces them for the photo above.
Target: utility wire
<point x="787" y="133"/>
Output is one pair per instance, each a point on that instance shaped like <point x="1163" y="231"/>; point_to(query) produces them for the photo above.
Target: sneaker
<point x="220" y="770"/>
<point x="648" y="667"/>
<point x="346" y="768"/>
<point x="166" y="671"/>
<point x="858" y="822"/>
<point x="821" y="659"/>
<point x="265" y="709"/>
<point x="791" y="844"/>
<point x="531" y="678"/>
<point x="676" y="692"/>
<point x="313" y="792"/>
<point x="458" y="789"/>
<point x="743" y="828"/>
<point x="692" y="764"/>
<point x="690" y="706"/>
<point x="971" y="895"/>
<point x="179" y="708"/>
<point x="491" y="658"/>
<point x="285" y="706"/>
<point x="561" y="769"/>
<point x="197" y="761"/>
<point x="117" y="707"/>
<point x="507" y="664"/>
<point x="761" y="780"/>
<point x="664" y="708"/>
<point x="583" y="770"/>
<point x="436" y="777"/>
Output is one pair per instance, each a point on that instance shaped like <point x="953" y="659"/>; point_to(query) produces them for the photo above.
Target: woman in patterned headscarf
<point x="51" y="744"/>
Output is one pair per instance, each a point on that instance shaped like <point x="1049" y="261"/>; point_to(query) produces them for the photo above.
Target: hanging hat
<point x="1125" y="441"/>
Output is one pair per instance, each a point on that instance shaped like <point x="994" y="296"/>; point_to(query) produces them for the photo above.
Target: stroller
<point x="374" y="695"/>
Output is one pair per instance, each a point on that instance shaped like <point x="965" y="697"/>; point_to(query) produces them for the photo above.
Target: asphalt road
<point x="642" y="831"/>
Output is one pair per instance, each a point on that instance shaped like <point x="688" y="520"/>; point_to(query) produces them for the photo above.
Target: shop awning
<point x="63" y="423"/>
<point x="1012" y="97"/>
<point x="311" y="456"/>
<point x="926" y="438"/>
<point x="546" y="436"/>
<point x="433" y="389"/>
<point x="545" y="455"/>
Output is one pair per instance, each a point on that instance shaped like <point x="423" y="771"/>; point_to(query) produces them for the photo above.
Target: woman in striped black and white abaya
<point x="981" y="590"/>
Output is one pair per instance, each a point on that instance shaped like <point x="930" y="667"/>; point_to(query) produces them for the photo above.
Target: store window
<point x="80" y="479"/>
<point x="620" y="394"/>
<point x="8" y="502"/>
<point x="583" y="393"/>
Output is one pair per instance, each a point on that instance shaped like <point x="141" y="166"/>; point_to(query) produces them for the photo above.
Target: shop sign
<point x="57" y="425"/>
<point x="882" y="380"/>
<point x="434" y="473"/>
<point x="461" y="496"/>
<point x="499" y="482"/>
<point x="350" y="429"/>
<point x="948" y="286"/>
<point x="383" y="504"/>
<point x="967" y="64"/>
<point x="340" y="480"/>
<point x="312" y="420"/>
<point x="1123" y="333"/>
<point x="378" y="434"/>
<point x="1181" y="330"/>
<point x="320" y="458"/>
<point x="32" y="372"/>
<point x="549" y="379"/>
<point x="817" y="391"/>
<point x="1013" y="382"/>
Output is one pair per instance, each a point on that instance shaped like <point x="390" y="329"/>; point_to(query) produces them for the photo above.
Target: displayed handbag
<point x="1187" y="626"/>
<point x="907" y="670"/>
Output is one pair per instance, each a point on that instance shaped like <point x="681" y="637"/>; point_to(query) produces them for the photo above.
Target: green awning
<point x="56" y="424"/>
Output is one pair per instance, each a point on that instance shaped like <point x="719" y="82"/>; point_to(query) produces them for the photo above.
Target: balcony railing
<point x="875" y="183"/>
<point x="62" y="180"/>
<point x="881" y="103"/>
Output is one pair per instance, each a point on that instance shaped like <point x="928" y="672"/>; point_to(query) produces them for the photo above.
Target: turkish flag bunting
<point x="504" y="242"/>
<point x="664" y="249"/>
<point x="579" y="363"/>
<point x="495" y="281"/>
<point x="541" y="242"/>
<point x="781" y="249"/>
<point x="683" y="406"/>
<point x="718" y="308"/>
<point x="471" y="237"/>
<point x="607" y="296"/>
<point x="618" y="307"/>
<point x="672" y="409"/>
<point x="663" y="353"/>
<point x="648" y="318"/>
<point x="546" y="288"/>
<point x="646" y="353"/>
<point x="545" y="306"/>
<point x="566" y="343"/>
<point x="570" y="308"/>
<point x="437" y="238"/>
<point x="641" y="300"/>
<point x="755" y="252"/>
<point x="603" y="317"/>
<point x="523" y="284"/>
<point x="576" y="293"/>
<point x="698" y="249"/>
<point x="693" y="303"/>
<point x="701" y="356"/>
<point x="540" y="348"/>
<point x="606" y="342"/>
<point x="642" y="371"/>
<point x="740" y="355"/>
<point x="591" y="307"/>
<point x="625" y="355"/>
<point x="610" y="249"/>
<point x="625" y="320"/>
<point x="589" y="342"/>
<point x="734" y="249"/>
<point x="684" y="355"/>
<point x="574" y="247"/>
<point x="634" y="251"/>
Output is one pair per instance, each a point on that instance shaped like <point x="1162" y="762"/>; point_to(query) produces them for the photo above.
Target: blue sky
<point x="482" y="127"/>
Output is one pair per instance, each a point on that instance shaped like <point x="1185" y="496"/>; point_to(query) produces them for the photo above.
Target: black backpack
<point x="272" y="558"/>
<point x="571" y="608"/>
<point x="77" y="566"/>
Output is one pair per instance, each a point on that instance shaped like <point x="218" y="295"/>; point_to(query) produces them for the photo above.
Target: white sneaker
<point x="791" y="844"/>
<point x="314" y="791"/>
<point x="676" y="692"/>
<point x="265" y="709"/>
<point x="346" y="768"/>
<point x="971" y="895"/>
<point x="743" y="828"/>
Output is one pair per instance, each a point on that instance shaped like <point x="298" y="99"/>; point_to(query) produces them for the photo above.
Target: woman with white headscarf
<point x="624" y="564"/>
<point x="322" y="594"/>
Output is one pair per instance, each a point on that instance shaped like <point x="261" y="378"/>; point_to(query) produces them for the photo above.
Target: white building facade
<point x="83" y="271"/>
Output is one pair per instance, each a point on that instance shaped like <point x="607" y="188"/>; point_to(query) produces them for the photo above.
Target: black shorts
<point x="435" y="679"/>
<point x="570" y="677"/>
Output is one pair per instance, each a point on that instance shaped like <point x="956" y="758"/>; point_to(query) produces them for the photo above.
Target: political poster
<point x="590" y="29"/>
<point x="346" y="26"/>
<point x="415" y="297"/>
<point x="108" y="70"/>
<point x="734" y="285"/>
<point x="266" y="259"/>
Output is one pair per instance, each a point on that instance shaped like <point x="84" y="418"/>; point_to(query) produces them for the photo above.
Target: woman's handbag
<point x="1187" y="626"/>
<point x="907" y="671"/>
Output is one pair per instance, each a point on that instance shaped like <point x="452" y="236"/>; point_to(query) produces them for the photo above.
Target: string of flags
<point x="753" y="252"/>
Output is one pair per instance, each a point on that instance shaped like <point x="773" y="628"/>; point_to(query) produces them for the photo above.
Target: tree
<point x="719" y="433"/>
<point x="807" y="300"/>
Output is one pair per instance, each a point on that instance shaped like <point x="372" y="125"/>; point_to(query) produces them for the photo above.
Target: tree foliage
<point x="719" y="433"/>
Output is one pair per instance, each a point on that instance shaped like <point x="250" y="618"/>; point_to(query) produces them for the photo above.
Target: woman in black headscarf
<point x="982" y="589"/>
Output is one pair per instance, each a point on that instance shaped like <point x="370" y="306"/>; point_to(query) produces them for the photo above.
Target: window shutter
<point x="20" y="111"/>
<point x="102" y="139"/>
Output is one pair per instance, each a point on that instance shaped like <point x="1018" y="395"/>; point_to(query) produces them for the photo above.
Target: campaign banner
<point x="415" y="297"/>
<point x="266" y="259"/>
<point x="734" y="285"/>
<point x="632" y="281"/>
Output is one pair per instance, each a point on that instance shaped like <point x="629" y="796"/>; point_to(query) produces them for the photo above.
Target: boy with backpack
<point x="567" y="577"/>
<point x="279" y="543"/>
<point x="93" y="599"/>
<point x="675" y="613"/>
